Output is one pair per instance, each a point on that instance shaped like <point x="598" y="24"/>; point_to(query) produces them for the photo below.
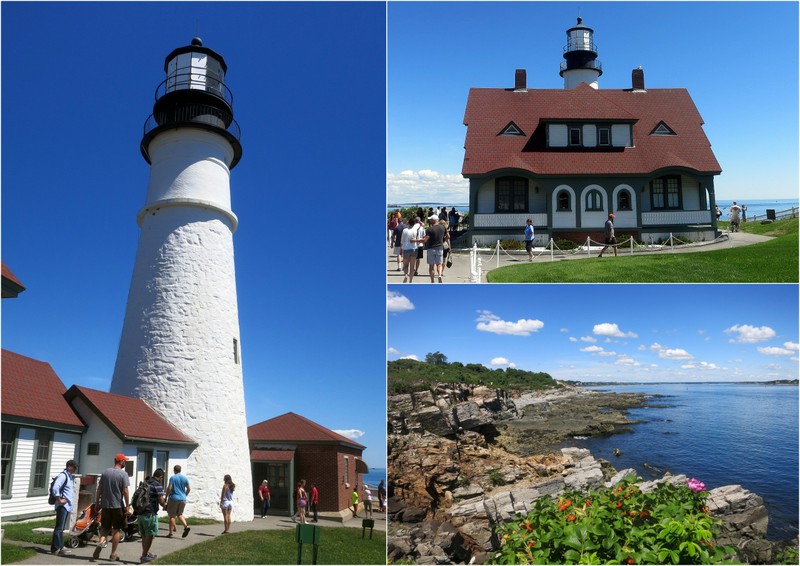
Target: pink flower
<point x="696" y="485"/>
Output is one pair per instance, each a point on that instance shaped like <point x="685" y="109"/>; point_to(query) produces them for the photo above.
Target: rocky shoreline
<point x="463" y="458"/>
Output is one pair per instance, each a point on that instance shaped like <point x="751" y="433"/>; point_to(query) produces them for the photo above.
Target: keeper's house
<point x="566" y="158"/>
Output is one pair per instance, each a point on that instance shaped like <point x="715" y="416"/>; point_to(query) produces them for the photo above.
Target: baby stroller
<point x="88" y="525"/>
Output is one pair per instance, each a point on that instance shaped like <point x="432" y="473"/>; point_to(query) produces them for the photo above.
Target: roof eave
<point x="41" y="423"/>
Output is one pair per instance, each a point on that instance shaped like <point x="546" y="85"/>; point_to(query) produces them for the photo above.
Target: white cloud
<point x="791" y="346"/>
<point x="573" y="339"/>
<point x="588" y="339"/>
<point x="750" y="334"/>
<point x="488" y="322"/>
<point x="701" y="365"/>
<point x="775" y="351"/>
<point x="675" y="354"/>
<point x="604" y="353"/>
<point x="426" y="185"/>
<point x="351" y="433"/>
<point x="392" y="351"/>
<point x="500" y="361"/>
<point x="395" y="302"/>
<point x="626" y="361"/>
<point x="592" y="349"/>
<point x="410" y="357"/>
<point x="612" y="330"/>
<point x="564" y="330"/>
<point x="656" y="346"/>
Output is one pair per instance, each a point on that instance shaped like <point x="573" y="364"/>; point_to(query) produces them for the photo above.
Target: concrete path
<point x="130" y="551"/>
<point x="460" y="271"/>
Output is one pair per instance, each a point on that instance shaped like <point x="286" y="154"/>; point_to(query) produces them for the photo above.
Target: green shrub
<point x="619" y="525"/>
<point x="566" y="245"/>
<point x="511" y="245"/>
<point x="496" y="478"/>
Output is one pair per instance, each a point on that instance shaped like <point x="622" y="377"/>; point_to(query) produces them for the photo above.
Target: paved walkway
<point x="460" y="271"/>
<point x="130" y="551"/>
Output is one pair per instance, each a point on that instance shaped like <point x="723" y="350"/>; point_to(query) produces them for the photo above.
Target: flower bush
<point x="619" y="525"/>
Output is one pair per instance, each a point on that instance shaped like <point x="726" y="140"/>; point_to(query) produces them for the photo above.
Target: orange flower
<point x="619" y="504"/>
<point x="571" y="518"/>
<point x="588" y="503"/>
<point x="632" y="513"/>
<point x="620" y="488"/>
<point x="630" y="560"/>
<point x="644" y="514"/>
<point x="531" y="542"/>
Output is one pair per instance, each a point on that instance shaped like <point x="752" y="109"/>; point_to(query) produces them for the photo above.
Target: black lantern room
<point x="580" y="51"/>
<point x="194" y="95"/>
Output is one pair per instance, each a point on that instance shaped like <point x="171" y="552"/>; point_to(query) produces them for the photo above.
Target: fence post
<point x="552" y="245"/>
<point x="473" y="252"/>
<point x="631" y="245"/>
<point x="588" y="241"/>
<point x="671" y="243"/>
<point x="498" y="253"/>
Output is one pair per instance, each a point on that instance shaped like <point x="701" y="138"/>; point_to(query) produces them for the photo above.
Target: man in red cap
<point x="112" y="499"/>
<point x="611" y="240"/>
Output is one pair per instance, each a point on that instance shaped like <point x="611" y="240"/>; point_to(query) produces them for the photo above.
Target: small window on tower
<point x="235" y="351"/>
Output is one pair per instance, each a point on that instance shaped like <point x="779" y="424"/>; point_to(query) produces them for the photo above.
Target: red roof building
<point x="290" y="447"/>
<point x="567" y="158"/>
<point x="11" y="285"/>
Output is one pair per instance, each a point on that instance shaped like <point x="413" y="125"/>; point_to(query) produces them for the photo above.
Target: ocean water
<point x="721" y="434"/>
<point x="374" y="477"/>
<point x="757" y="207"/>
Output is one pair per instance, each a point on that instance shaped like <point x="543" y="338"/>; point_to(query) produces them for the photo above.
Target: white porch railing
<point x="676" y="217"/>
<point x="507" y="220"/>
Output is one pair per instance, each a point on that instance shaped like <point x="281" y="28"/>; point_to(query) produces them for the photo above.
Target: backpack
<point x="51" y="499"/>
<point x="141" y="498"/>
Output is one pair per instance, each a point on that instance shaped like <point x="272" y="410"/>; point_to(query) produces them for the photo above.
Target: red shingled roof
<point x="11" y="285"/>
<point x="32" y="391"/>
<point x="294" y="428"/>
<point x="127" y="417"/>
<point x="490" y="110"/>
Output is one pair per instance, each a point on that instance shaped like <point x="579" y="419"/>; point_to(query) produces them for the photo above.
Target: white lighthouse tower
<point x="580" y="63"/>
<point x="180" y="348"/>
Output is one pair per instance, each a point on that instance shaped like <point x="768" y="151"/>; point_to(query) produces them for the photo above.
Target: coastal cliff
<point x="463" y="458"/>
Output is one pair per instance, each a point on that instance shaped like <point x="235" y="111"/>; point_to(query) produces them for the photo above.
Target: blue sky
<point x="625" y="333"/>
<point x="308" y="82"/>
<point x="738" y="60"/>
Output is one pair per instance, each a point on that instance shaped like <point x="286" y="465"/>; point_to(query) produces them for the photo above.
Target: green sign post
<point x="307" y="534"/>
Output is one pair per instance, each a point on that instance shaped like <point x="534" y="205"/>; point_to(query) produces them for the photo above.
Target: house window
<point x="511" y="194"/>
<point x="666" y="192"/>
<point x="41" y="462"/>
<point x="9" y="445"/>
<point x="594" y="200"/>
<point x="563" y="200"/>
<point x="93" y="449"/>
<point x="347" y="471"/>
<point x="574" y="136"/>
<point x="624" y="200"/>
<point x="603" y="136"/>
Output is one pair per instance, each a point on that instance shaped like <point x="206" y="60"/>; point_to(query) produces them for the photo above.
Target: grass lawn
<point x="775" y="261"/>
<point x="338" y="545"/>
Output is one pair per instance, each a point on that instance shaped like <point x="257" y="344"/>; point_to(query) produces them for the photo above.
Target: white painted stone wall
<point x="177" y="346"/>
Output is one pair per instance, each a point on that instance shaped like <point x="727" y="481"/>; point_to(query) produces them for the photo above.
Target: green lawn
<point x="775" y="261"/>
<point x="338" y="545"/>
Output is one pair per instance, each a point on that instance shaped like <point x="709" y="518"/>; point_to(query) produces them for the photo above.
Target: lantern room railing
<point x="195" y="80"/>
<point x="194" y="113"/>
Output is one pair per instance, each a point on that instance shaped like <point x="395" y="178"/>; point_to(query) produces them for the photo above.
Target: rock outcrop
<point x="452" y="475"/>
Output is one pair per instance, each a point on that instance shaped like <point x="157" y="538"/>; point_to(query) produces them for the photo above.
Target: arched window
<point x="624" y="200"/>
<point x="594" y="200"/>
<point x="563" y="201"/>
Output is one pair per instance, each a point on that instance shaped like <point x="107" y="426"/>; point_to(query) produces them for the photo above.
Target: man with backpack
<point x="62" y="495"/>
<point x="146" y="503"/>
<point x="112" y="499"/>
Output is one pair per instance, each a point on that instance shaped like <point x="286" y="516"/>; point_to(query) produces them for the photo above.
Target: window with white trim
<point x="41" y="462"/>
<point x="594" y="200"/>
<point x="9" y="446"/>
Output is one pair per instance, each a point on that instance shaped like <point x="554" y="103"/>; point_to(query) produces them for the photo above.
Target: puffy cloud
<point x="573" y="339"/>
<point x="410" y="357"/>
<point x="500" y="361"/>
<point x="351" y="433"/>
<point x="395" y="302"/>
<point x="791" y="346"/>
<point x="775" y="351"/>
<point x="392" y="351"/>
<point x="675" y="354"/>
<point x="626" y="361"/>
<point x="588" y="339"/>
<point x="592" y="349"/>
<point x="750" y="334"/>
<point x="604" y="353"/>
<point x="701" y="366"/>
<point x="563" y="330"/>
<point x="612" y="330"/>
<point x="488" y="322"/>
<point x="426" y="185"/>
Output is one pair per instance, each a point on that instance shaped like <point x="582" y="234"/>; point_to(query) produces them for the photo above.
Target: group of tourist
<point x="409" y="241"/>
<point x="367" y="492"/>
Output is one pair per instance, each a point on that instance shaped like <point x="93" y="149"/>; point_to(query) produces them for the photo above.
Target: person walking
<point x="314" y="501"/>
<point x="397" y="246"/>
<point x="367" y="502"/>
<point x="226" y="502"/>
<point x="434" y="241"/>
<point x="419" y="235"/>
<point x="301" y="498"/>
<point x="381" y="497"/>
<point x="409" y="248"/>
<point x="177" y="490"/>
<point x="445" y="247"/>
<point x="735" y="211"/>
<point x="263" y="495"/>
<point x="148" y="519"/>
<point x="354" y="501"/>
<point x="610" y="238"/>
<point x="390" y="226"/>
<point x="112" y="499"/>
<point x="63" y="489"/>
<point x="529" y="239"/>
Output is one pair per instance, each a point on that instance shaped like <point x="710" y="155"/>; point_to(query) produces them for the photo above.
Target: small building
<point x="567" y="158"/>
<point x="288" y="448"/>
<point x="11" y="287"/>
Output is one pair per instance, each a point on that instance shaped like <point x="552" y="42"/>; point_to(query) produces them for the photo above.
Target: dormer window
<point x="662" y="130"/>
<point x="575" y="136"/>
<point x="512" y="130"/>
<point x="603" y="136"/>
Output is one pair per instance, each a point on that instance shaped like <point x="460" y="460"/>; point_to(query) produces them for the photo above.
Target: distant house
<point x="290" y="447"/>
<point x="40" y="432"/>
<point x="566" y="158"/>
<point x="11" y="286"/>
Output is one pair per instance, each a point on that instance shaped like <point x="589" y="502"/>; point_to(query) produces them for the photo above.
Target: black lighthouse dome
<point x="580" y="51"/>
<point x="194" y="94"/>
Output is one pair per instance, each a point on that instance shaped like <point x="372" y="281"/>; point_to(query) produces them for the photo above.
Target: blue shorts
<point x="435" y="257"/>
<point x="148" y="525"/>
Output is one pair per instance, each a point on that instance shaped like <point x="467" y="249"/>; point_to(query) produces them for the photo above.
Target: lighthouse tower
<point x="180" y="349"/>
<point x="580" y="63"/>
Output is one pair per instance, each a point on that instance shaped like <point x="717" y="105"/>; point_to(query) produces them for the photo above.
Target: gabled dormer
<point x="662" y="129"/>
<point x="589" y="134"/>
<point x="511" y="129"/>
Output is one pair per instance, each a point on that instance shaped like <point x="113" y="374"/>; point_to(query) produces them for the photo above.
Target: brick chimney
<point x="637" y="79"/>
<point x="520" y="80"/>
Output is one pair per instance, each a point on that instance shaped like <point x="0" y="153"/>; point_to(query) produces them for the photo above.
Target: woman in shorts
<point x="226" y="502"/>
